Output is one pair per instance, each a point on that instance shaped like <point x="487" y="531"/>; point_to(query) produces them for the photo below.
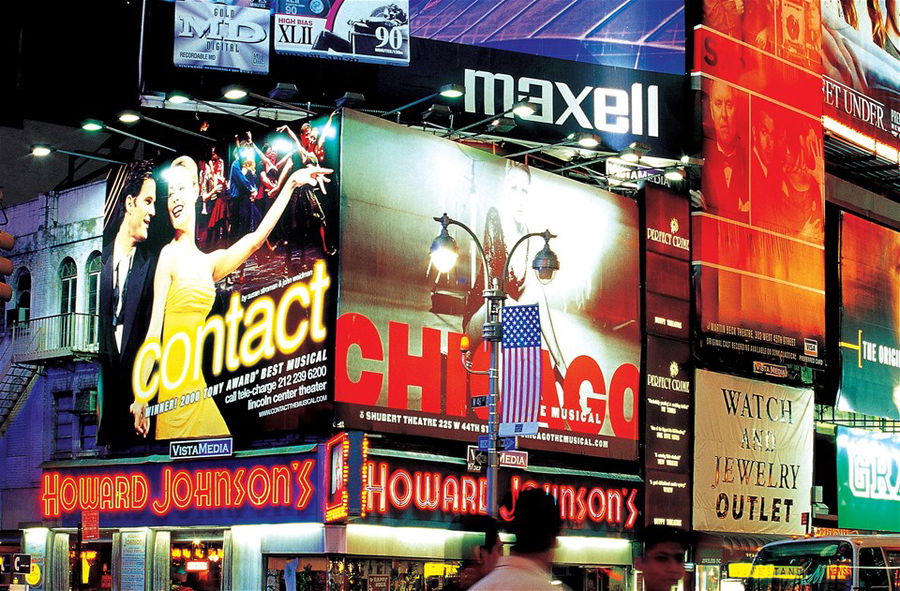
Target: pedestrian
<point x="536" y="524"/>
<point x="662" y="557"/>
<point x="480" y="551"/>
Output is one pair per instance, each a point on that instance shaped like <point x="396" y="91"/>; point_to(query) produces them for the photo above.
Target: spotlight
<point x="234" y="92"/>
<point x="129" y="117"/>
<point x="41" y="150"/>
<point x="350" y="99"/>
<point x="176" y="97"/>
<point x="91" y="125"/>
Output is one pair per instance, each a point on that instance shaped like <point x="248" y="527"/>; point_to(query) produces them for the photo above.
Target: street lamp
<point x="444" y="253"/>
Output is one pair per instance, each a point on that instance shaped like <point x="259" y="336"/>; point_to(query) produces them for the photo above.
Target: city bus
<point x="840" y="563"/>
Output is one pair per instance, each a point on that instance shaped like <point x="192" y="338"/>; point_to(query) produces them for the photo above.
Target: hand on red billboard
<point x="141" y="420"/>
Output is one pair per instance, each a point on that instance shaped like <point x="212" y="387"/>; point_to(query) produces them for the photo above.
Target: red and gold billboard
<point x="398" y="355"/>
<point x="870" y="318"/>
<point x="759" y="236"/>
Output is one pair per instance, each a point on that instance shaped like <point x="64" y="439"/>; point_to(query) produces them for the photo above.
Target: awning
<point x="725" y="548"/>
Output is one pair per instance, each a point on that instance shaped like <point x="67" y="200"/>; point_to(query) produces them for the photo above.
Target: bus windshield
<point x="816" y="565"/>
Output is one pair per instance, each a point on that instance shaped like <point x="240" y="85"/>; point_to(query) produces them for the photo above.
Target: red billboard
<point x="398" y="354"/>
<point x="759" y="236"/>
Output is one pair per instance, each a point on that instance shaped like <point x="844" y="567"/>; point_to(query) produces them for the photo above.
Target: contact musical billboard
<point x="861" y="63"/>
<point x="401" y="322"/>
<point x="218" y="289"/>
<point x="759" y="234"/>
<point x="870" y="318"/>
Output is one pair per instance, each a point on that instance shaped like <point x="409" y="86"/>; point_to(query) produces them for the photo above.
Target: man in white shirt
<point x="537" y="525"/>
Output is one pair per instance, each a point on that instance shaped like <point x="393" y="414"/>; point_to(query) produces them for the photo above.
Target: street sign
<point x="479" y="401"/>
<point x="484" y="442"/>
<point x="514" y="459"/>
<point x="475" y="458"/>
<point x="5" y="563"/>
<point x="21" y="564"/>
<point x="508" y="443"/>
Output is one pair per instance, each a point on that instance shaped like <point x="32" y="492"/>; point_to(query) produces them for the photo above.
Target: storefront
<point x="723" y="560"/>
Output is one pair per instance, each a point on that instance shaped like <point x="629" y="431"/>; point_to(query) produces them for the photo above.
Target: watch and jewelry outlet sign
<point x="752" y="455"/>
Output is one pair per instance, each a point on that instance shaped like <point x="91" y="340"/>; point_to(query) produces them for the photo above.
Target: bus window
<point x="803" y="566"/>
<point x="872" y="574"/>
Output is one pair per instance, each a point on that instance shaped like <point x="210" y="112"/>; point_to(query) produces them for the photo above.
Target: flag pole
<point x="545" y="265"/>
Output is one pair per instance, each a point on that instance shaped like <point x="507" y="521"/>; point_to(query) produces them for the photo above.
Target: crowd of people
<point x="537" y="525"/>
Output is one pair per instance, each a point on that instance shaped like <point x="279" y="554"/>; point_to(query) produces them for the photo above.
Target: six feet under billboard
<point x="218" y="289"/>
<point x="400" y="323"/>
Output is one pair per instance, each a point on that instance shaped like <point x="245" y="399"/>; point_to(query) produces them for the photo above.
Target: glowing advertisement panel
<point x="398" y="356"/>
<point x="437" y="493"/>
<point x="369" y="31"/>
<point x="218" y="290"/>
<point x="640" y="34"/>
<point x="758" y="242"/>
<point x="870" y="319"/>
<point x="861" y="63"/>
<point x="266" y="489"/>
<point x="752" y="455"/>
<point x="222" y="36"/>
<point x="868" y="479"/>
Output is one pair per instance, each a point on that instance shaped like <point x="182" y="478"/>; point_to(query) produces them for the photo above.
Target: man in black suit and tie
<point x="126" y="295"/>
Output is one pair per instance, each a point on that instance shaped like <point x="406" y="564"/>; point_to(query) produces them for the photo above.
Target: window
<point x="68" y="278"/>
<point x="22" y="310"/>
<point x="872" y="573"/>
<point x="94" y="266"/>
<point x="65" y="422"/>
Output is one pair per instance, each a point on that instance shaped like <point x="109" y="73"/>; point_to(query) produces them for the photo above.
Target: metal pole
<point x="491" y="335"/>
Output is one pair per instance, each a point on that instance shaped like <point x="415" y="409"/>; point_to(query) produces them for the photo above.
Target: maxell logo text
<point x="611" y="110"/>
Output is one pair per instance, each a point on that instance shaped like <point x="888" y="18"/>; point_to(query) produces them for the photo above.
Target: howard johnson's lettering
<point x="202" y="448"/>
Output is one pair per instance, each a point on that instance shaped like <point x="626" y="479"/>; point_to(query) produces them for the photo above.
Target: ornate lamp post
<point x="444" y="253"/>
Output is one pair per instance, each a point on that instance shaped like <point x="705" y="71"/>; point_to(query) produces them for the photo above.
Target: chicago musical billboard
<point x="401" y="322"/>
<point x="217" y="289"/>
<point x="870" y="318"/>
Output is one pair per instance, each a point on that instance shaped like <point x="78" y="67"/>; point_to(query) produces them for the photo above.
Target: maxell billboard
<point x="398" y="353"/>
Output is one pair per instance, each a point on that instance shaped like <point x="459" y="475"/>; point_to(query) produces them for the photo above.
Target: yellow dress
<point x="187" y="304"/>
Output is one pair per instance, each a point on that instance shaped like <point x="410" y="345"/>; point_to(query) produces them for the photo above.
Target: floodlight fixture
<point x="179" y="98"/>
<point x="585" y="140"/>
<point x="234" y="92"/>
<point x="92" y="125"/>
<point x="446" y="91"/>
<point x="129" y="117"/>
<point x="42" y="150"/>
<point x="350" y="99"/>
<point x="522" y="108"/>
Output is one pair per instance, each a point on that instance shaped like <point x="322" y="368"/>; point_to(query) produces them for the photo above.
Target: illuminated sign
<point x="337" y="451"/>
<point x="272" y="489"/>
<point x="838" y="571"/>
<point x="752" y="455"/>
<point x="397" y="355"/>
<point x="196" y="566"/>
<point x="870" y="318"/>
<point x="758" y="238"/>
<point x="254" y="355"/>
<point x="398" y="491"/>
<point x="200" y="448"/>
<point x="868" y="474"/>
<point x="221" y="36"/>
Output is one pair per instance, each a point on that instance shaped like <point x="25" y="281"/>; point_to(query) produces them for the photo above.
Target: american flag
<point x="521" y="384"/>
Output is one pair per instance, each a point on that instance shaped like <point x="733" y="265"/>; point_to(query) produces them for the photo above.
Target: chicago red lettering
<point x="358" y="339"/>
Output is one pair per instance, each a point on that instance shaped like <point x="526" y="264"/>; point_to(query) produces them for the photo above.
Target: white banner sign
<point x="753" y="455"/>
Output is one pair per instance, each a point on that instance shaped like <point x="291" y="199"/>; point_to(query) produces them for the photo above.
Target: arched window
<point x="22" y="310"/>
<point x="94" y="266"/>
<point x="68" y="283"/>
